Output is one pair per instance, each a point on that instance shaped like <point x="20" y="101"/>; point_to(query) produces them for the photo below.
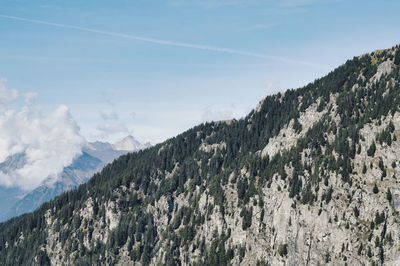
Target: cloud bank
<point x="111" y="126"/>
<point x="220" y="114"/>
<point x="49" y="142"/>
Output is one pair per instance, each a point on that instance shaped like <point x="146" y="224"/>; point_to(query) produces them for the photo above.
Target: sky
<point x="154" y="69"/>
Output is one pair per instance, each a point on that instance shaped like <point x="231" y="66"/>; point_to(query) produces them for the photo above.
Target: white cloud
<point x="108" y="98"/>
<point x="272" y="86"/>
<point x="49" y="142"/>
<point x="30" y="96"/>
<point x="109" y="116"/>
<point x="6" y="95"/>
<point x="108" y="129"/>
<point x="111" y="126"/>
<point x="213" y="114"/>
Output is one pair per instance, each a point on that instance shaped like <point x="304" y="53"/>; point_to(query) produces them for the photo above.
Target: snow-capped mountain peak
<point x="129" y="143"/>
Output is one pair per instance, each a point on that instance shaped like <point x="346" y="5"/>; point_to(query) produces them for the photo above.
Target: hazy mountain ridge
<point x="72" y="176"/>
<point x="93" y="158"/>
<point x="13" y="162"/>
<point x="309" y="177"/>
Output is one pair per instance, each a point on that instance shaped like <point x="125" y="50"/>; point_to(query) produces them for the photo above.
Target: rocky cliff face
<point x="310" y="177"/>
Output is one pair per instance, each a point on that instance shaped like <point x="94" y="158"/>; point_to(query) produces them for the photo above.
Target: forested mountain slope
<point x="310" y="176"/>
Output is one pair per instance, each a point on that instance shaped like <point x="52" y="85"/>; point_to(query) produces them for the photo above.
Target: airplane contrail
<point x="164" y="42"/>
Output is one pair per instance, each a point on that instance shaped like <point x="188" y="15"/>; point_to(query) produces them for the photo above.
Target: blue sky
<point x="116" y="85"/>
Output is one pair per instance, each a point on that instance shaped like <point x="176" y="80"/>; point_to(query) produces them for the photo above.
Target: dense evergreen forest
<point x="212" y="158"/>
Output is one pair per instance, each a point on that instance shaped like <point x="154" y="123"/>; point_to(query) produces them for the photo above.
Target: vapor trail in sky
<point x="165" y="42"/>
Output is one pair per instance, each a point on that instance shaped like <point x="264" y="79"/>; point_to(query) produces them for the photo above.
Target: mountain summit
<point x="129" y="143"/>
<point x="309" y="177"/>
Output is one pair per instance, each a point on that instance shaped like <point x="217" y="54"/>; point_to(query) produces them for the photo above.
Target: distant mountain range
<point x="95" y="155"/>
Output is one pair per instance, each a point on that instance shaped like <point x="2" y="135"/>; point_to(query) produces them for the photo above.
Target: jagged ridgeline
<point x="310" y="176"/>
